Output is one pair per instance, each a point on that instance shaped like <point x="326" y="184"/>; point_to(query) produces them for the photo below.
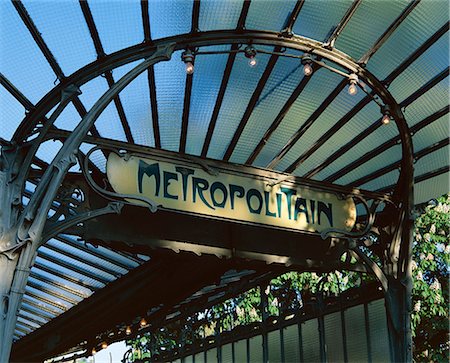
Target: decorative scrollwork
<point x="110" y="195"/>
<point x="336" y="232"/>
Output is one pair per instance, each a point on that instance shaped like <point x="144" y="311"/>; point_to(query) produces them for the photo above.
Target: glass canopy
<point x="270" y="116"/>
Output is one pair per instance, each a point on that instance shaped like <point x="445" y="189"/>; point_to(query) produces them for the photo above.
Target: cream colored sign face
<point x="247" y="199"/>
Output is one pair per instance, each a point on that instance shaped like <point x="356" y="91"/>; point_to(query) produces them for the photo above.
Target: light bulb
<point x="307" y="69"/>
<point x="143" y="322"/>
<point x="189" y="68"/>
<point x="352" y="89"/>
<point x="128" y="330"/>
<point x="104" y="345"/>
<point x="93" y="352"/>
<point x="252" y="62"/>
<point x="386" y="119"/>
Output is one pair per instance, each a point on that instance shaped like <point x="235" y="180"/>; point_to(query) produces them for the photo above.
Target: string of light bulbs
<point x="307" y="60"/>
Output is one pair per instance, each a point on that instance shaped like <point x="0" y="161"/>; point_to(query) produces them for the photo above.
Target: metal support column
<point x="22" y="235"/>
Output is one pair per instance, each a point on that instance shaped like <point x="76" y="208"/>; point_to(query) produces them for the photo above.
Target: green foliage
<point x="288" y="292"/>
<point x="431" y="258"/>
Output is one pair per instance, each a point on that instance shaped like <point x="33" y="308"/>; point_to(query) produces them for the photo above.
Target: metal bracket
<point x="109" y="194"/>
<point x="335" y="232"/>
<point x="59" y="227"/>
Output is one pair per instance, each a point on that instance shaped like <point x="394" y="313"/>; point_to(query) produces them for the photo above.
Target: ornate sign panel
<point x="244" y="197"/>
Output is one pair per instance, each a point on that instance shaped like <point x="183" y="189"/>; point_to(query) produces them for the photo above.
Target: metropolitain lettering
<point x="184" y="186"/>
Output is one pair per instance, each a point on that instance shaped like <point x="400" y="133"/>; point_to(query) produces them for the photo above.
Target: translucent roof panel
<point x="169" y="18"/>
<point x="209" y="71"/>
<point x="15" y="112"/>
<point x="428" y="103"/>
<point x="33" y="34"/>
<point x="219" y="15"/>
<point x="317" y="21"/>
<point x="285" y="77"/>
<point x="269" y="15"/>
<point x="29" y="72"/>
<point x="241" y="85"/>
<point x="170" y="77"/>
<point x="118" y="26"/>
<point x="135" y="99"/>
<point x="350" y="40"/>
<point x="425" y="19"/>
<point x="426" y="67"/>
<point x="66" y="22"/>
<point x="325" y="84"/>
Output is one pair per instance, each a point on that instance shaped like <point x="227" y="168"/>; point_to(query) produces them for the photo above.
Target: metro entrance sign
<point x="231" y="195"/>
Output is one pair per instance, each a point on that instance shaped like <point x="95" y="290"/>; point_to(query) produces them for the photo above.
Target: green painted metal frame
<point x="30" y="224"/>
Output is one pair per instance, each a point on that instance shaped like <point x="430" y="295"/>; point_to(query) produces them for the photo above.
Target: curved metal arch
<point x="221" y="37"/>
<point x="403" y="192"/>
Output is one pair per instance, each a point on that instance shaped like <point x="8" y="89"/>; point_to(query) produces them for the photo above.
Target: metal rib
<point x="420" y="178"/>
<point x="287" y="106"/>
<point x="308" y="123"/>
<point x="108" y="75"/>
<point x="243" y="15"/>
<point x="251" y="104"/>
<point x="186" y="110"/>
<point x="82" y="260"/>
<point x="354" y="141"/>
<point x="19" y="96"/>
<point x="386" y="145"/>
<point x="293" y="16"/>
<point x="224" y="83"/>
<point x="342" y="24"/>
<point x="72" y="267"/>
<point x="388" y="168"/>
<point x="195" y="16"/>
<point x="327" y="135"/>
<point x="64" y="276"/>
<point x="390" y="29"/>
<point x="146" y="20"/>
<point x="151" y="76"/>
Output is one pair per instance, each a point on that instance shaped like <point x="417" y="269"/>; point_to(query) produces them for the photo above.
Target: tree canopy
<point x="288" y="292"/>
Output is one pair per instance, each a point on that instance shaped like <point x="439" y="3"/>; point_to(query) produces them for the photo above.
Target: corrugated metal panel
<point x="379" y="337"/>
<point x="310" y="341"/>
<point x="291" y="344"/>
<point x="240" y="351"/>
<point x="227" y="353"/>
<point x="274" y="346"/>
<point x="199" y="357"/>
<point x="211" y="356"/>
<point x="256" y="349"/>
<point x="334" y="344"/>
<point x="356" y="334"/>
